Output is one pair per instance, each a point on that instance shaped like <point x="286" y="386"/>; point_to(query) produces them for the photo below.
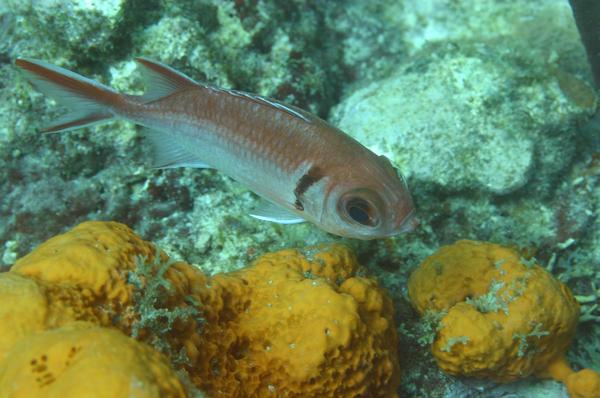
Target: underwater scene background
<point x="488" y="108"/>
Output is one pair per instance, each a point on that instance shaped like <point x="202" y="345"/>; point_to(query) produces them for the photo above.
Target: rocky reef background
<point x="487" y="107"/>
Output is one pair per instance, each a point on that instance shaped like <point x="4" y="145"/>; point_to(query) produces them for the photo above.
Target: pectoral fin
<point x="268" y="211"/>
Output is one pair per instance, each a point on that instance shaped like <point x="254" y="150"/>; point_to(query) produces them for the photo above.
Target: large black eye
<point x="361" y="211"/>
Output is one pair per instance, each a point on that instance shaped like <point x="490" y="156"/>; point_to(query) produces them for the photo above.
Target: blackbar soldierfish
<point x="305" y="168"/>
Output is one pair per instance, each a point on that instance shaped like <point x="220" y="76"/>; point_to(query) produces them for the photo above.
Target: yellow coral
<point x="23" y="310"/>
<point x="83" y="360"/>
<point x="502" y="317"/>
<point x="296" y="323"/>
<point x="94" y="257"/>
<point x="85" y="275"/>
<point x="582" y="384"/>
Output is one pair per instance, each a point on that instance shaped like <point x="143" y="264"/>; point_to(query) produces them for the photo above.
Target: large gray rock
<point x="465" y="117"/>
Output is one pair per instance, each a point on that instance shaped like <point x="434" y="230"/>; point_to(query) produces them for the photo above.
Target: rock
<point x="464" y="117"/>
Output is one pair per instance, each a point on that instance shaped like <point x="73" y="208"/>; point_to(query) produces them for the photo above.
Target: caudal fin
<point x="89" y="102"/>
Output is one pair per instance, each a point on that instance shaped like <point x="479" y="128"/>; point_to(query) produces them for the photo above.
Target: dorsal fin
<point x="296" y="112"/>
<point x="162" y="80"/>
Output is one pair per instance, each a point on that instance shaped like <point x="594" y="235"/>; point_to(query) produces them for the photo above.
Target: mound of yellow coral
<point x="500" y="317"/>
<point x="83" y="360"/>
<point x="295" y="323"/>
<point x="298" y="323"/>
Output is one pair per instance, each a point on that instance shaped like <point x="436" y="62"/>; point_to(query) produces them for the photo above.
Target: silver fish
<point x="306" y="169"/>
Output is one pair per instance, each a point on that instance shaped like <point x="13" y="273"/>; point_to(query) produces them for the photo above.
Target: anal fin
<point x="168" y="153"/>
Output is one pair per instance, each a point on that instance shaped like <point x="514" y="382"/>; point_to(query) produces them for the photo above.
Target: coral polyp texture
<point x="99" y="299"/>
<point x="501" y="317"/>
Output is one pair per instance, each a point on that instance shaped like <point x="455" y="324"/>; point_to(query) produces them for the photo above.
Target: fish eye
<point x="361" y="211"/>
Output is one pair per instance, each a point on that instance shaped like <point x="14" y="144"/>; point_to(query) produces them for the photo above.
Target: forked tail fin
<point x="89" y="102"/>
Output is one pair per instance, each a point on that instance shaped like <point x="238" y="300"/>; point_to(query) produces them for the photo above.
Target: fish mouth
<point x="410" y="222"/>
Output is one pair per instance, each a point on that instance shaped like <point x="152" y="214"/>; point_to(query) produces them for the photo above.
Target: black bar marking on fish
<point x="313" y="175"/>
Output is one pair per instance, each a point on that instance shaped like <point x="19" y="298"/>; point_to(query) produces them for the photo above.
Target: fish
<point x="304" y="168"/>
